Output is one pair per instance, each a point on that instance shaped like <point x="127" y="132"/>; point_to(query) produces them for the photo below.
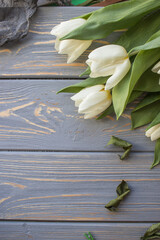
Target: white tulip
<point x="92" y="101"/>
<point x="156" y="69"/>
<point x="153" y="132"/>
<point x="109" y="60"/>
<point x="72" y="47"/>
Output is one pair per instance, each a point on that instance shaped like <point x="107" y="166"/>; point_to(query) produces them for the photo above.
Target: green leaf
<point x="89" y="236"/>
<point x="85" y="83"/>
<point x="156" y="154"/>
<point x="152" y="44"/>
<point x="148" y="99"/>
<point x="108" y="111"/>
<point x="122" y="91"/>
<point x="122" y="190"/>
<point x="153" y="232"/>
<point x="134" y="95"/>
<point x="146" y="110"/>
<point x="86" y="72"/>
<point x="157" y="147"/>
<point x="140" y="32"/>
<point x="148" y="82"/>
<point x="113" y="17"/>
<point x="155" y="121"/>
<point x="121" y="143"/>
<point x="85" y="16"/>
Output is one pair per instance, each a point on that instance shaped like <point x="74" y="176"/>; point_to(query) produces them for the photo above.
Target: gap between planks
<point x="76" y="221"/>
<point x="71" y="151"/>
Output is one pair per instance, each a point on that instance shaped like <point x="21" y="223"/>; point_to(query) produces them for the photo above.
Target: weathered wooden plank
<point x="76" y="186"/>
<point x="33" y="116"/>
<point x="68" y="231"/>
<point x="34" y="56"/>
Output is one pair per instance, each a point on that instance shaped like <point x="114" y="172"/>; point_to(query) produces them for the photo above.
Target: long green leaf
<point x="108" y="111"/>
<point x="117" y="16"/>
<point x="83" y="84"/>
<point x="155" y="121"/>
<point x="152" y="44"/>
<point x="148" y="82"/>
<point x="141" y="63"/>
<point x="146" y="110"/>
<point x="133" y="37"/>
<point x="141" y="32"/>
<point x="134" y="95"/>
<point x="122" y="91"/>
<point x="85" y="16"/>
<point x="86" y="72"/>
<point x="147" y="100"/>
<point x="156" y="154"/>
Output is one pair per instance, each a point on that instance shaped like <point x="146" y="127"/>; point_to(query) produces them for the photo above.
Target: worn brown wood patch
<point x="34" y="117"/>
<point x="76" y="186"/>
<point x="35" y="56"/>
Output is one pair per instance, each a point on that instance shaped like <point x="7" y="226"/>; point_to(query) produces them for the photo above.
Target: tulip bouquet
<point x="119" y="72"/>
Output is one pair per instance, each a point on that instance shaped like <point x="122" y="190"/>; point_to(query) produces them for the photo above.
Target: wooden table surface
<point x="56" y="173"/>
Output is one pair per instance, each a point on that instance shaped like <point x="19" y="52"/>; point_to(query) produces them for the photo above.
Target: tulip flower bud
<point x="92" y="101"/>
<point x="153" y="132"/>
<point x="109" y="60"/>
<point x="156" y="69"/>
<point x="73" y="48"/>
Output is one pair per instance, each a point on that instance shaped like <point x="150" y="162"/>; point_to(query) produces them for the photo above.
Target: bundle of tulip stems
<point x="119" y="72"/>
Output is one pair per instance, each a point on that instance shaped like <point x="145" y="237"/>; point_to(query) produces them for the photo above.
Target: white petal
<point x="93" y="99"/>
<point x="54" y="30"/>
<point x="57" y="43"/>
<point x="67" y="46"/>
<point x="66" y="27"/>
<point x="103" y="71"/>
<point x="108" y="54"/>
<point x="120" y="72"/>
<point x="156" y="68"/>
<point x="74" y="48"/>
<point x="155" y="135"/>
<point x="76" y="52"/>
<point x="86" y="91"/>
<point x="78" y="102"/>
<point x="151" y="130"/>
<point x="103" y="61"/>
<point x="98" y="109"/>
<point x="89" y="62"/>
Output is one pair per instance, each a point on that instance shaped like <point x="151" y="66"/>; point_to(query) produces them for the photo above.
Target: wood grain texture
<point x="69" y="231"/>
<point x="35" y="56"/>
<point x="34" y="117"/>
<point x="76" y="186"/>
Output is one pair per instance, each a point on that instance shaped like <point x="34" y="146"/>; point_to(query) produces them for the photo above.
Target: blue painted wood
<point x="34" y="117"/>
<point x="69" y="231"/>
<point x="76" y="186"/>
<point x="35" y="56"/>
<point x="74" y="183"/>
